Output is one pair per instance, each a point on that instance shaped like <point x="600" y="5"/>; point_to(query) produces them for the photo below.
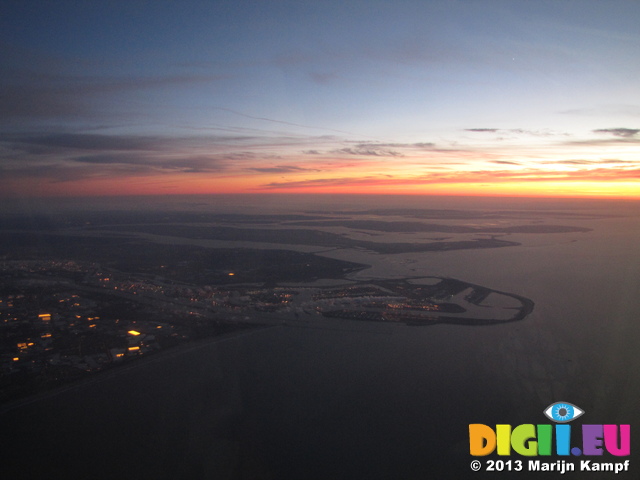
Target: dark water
<point x="280" y="403"/>
<point x="347" y="401"/>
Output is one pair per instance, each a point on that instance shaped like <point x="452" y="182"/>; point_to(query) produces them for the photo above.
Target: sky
<point x="456" y="97"/>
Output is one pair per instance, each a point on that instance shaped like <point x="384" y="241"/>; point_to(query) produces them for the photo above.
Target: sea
<point x="354" y="401"/>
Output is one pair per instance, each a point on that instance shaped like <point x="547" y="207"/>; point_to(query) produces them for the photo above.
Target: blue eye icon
<point x="563" y="412"/>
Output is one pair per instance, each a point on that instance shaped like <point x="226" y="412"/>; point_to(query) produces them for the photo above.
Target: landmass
<point x="84" y="293"/>
<point x="63" y="320"/>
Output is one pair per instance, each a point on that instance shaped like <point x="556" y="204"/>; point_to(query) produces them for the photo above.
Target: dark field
<point x="181" y="263"/>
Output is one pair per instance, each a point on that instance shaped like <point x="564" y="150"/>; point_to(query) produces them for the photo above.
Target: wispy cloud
<point x="604" y="142"/>
<point x="415" y="145"/>
<point x="73" y="142"/>
<point x="192" y="164"/>
<point x="283" y="169"/>
<point x="459" y="177"/>
<point x="619" y="132"/>
<point x="518" y="131"/>
<point x="382" y="149"/>
<point x="367" y="151"/>
<point x="587" y="162"/>
<point x="74" y="156"/>
<point x="88" y="141"/>
<point x="324" y="182"/>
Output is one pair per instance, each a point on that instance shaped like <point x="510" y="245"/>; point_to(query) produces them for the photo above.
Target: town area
<point x="61" y="321"/>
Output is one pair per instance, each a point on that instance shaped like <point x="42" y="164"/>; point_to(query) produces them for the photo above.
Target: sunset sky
<point x="458" y="97"/>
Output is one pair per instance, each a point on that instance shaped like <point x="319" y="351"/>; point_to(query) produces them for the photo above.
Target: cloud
<point x="190" y="164"/>
<point x="505" y="162"/>
<point x="54" y="172"/>
<point x="74" y="156"/>
<point x="114" y="167"/>
<point x="189" y="153"/>
<point x="537" y="133"/>
<point x="619" y="132"/>
<point x="380" y="149"/>
<point x="570" y="162"/>
<point x="518" y="131"/>
<point x="283" y="169"/>
<point x="419" y="145"/>
<point x="427" y="145"/>
<point x="368" y="151"/>
<point x="71" y="143"/>
<point x="92" y="142"/>
<point x="111" y="159"/>
<point x="458" y="177"/>
<point x="586" y="162"/>
<point x="618" y="140"/>
<point x="321" y="182"/>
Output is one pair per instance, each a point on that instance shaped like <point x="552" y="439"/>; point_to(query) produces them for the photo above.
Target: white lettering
<point x="560" y="466"/>
<point x="617" y="467"/>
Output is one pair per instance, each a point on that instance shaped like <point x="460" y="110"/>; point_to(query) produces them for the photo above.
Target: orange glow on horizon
<point x="366" y="185"/>
<point x="507" y="189"/>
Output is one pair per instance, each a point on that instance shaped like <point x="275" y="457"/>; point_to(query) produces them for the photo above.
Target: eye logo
<point x="563" y="412"/>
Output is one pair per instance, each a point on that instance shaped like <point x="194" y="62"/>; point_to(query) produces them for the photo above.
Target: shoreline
<point x="127" y="366"/>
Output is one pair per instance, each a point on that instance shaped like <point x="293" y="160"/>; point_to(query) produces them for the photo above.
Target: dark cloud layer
<point x="189" y="164"/>
<point x="62" y="157"/>
<point x="74" y="142"/>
